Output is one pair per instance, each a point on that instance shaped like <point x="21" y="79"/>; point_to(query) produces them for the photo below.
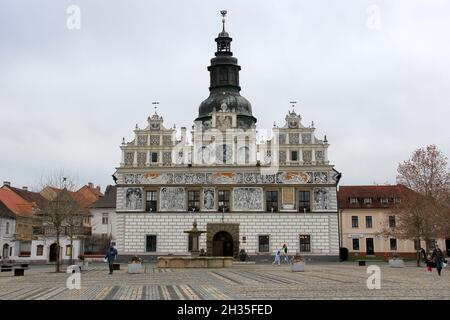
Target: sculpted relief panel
<point x="172" y="199"/>
<point x="325" y="199"/>
<point x="133" y="199"/>
<point x="209" y="199"/>
<point x="248" y="199"/>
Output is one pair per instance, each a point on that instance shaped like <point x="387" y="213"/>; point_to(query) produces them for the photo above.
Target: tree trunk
<point x="418" y="252"/>
<point x="57" y="252"/>
<point x="71" y="249"/>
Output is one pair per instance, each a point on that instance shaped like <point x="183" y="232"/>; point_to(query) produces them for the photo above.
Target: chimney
<point x="25" y="188"/>
<point x="91" y="185"/>
<point x="98" y="189"/>
<point x="7" y="183"/>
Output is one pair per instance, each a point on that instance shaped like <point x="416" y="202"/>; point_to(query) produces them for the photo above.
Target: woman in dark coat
<point x="438" y="258"/>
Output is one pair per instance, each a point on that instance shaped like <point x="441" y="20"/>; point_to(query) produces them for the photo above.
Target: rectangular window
<point x="224" y="200"/>
<point x="105" y="218"/>
<point x="194" y="200"/>
<point x="272" y="201"/>
<point x="150" y="243"/>
<point x="150" y="203"/>
<point x="353" y="200"/>
<point x="391" y="221"/>
<point x="305" y="243"/>
<point x="354" y="221"/>
<point x="431" y="244"/>
<point x="355" y="244"/>
<point x="154" y="157"/>
<point x="367" y="200"/>
<point x="384" y="200"/>
<point x="294" y="156"/>
<point x="397" y="200"/>
<point x="393" y="243"/>
<point x="368" y="221"/>
<point x="416" y="244"/>
<point x="263" y="243"/>
<point x="68" y="250"/>
<point x="40" y="250"/>
<point x="304" y="201"/>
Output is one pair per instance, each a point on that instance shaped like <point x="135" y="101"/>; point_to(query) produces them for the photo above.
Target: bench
<point x="363" y="262"/>
<point x="24" y="265"/>
<point x="19" y="272"/>
<point x="116" y="266"/>
<point x="6" y="268"/>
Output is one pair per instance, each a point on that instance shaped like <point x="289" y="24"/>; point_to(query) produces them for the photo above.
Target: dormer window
<point x="384" y="200"/>
<point x="353" y="200"/>
<point x="367" y="200"/>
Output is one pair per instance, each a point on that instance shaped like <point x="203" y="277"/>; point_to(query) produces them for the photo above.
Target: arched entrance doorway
<point x="52" y="253"/>
<point x="5" y="254"/>
<point x="223" y="244"/>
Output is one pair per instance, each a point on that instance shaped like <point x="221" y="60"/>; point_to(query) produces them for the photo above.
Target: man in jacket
<point x="111" y="257"/>
<point x="438" y="258"/>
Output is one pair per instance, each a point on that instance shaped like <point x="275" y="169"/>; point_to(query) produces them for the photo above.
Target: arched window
<point x="244" y="155"/>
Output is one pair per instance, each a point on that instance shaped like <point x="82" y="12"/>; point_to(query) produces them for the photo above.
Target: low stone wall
<point x="194" y="262"/>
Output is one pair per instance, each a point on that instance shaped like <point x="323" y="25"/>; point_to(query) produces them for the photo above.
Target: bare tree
<point x="61" y="211"/>
<point x="427" y="173"/>
<point x="420" y="212"/>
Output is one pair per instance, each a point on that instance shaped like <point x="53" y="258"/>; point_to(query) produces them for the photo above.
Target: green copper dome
<point x="224" y="85"/>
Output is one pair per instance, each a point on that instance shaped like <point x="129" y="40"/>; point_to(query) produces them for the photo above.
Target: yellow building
<point x="364" y="212"/>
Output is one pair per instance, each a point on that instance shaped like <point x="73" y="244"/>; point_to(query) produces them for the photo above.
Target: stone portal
<point x="222" y="239"/>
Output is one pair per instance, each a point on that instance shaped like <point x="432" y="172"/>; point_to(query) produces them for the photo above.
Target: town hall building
<point x="243" y="192"/>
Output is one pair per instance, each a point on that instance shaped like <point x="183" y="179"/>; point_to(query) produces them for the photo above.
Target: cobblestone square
<point x="260" y="281"/>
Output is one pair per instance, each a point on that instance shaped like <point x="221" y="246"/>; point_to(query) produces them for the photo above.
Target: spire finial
<point x="293" y="105"/>
<point x="155" y="103"/>
<point x="223" y="13"/>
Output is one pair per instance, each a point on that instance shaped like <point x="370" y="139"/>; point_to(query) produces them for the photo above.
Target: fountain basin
<point x="194" y="262"/>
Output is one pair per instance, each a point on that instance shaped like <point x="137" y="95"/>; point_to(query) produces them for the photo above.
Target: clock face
<point x="224" y="153"/>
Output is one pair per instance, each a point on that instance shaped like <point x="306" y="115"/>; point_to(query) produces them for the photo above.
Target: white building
<point x="244" y="194"/>
<point x="7" y="233"/>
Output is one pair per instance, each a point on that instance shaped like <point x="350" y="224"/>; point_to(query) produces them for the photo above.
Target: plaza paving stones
<point x="319" y="281"/>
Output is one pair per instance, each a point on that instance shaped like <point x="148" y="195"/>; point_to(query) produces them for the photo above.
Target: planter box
<point x="134" y="267"/>
<point x="83" y="265"/>
<point x="396" y="263"/>
<point x="298" y="266"/>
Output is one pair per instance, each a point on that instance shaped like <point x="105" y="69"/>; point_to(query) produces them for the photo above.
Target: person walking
<point x="277" y="257"/>
<point x="110" y="257"/>
<point x="438" y="258"/>
<point x="285" y="253"/>
<point x="429" y="264"/>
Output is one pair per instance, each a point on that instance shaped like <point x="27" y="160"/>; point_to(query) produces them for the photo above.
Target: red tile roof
<point x="15" y="203"/>
<point x="375" y="192"/>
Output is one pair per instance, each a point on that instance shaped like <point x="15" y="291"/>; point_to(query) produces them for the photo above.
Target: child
<point x="429" y="264"/>
<point x="277" y="257"/>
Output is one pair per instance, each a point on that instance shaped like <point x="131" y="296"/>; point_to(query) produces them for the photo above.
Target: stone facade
<point x="282" y="187"/>
<point x="132" y="228"/>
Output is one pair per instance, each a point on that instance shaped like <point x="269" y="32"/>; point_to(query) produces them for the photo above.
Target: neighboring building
<point x="103" y="213"/>
<point x="7" y="232"/>
<point x="44" y="245"/>
<point x="244" y="194"/>
<point x="364" y="212"/>
<point x="23" y="204"/>
<point x="85" y="196"/>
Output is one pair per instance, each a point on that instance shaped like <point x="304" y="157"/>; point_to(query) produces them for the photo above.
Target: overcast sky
<point x="374" y="76"/>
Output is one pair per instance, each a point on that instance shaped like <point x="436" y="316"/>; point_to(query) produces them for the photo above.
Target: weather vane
<point x="223" y="13"/>
<point x="293" y="104"/>
<point x="156" y="105"/>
